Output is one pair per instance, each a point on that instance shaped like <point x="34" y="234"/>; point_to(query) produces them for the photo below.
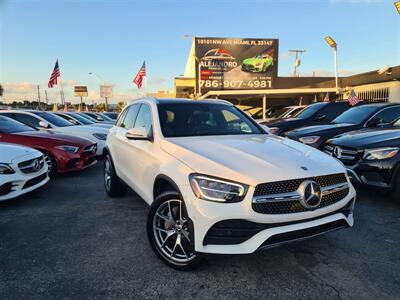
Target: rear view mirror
<point x="44" y="124"/>
<point x="138" y="134"/>
<point x="265" y="127"/>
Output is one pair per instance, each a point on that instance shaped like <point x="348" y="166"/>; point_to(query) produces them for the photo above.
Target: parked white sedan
<point x="48" y="121"/>
<point x="22" y="170"/>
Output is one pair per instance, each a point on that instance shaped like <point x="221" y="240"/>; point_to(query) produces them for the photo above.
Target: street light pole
<point x="333" y="45"/>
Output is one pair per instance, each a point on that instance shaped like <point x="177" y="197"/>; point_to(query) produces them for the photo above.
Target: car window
<point x="200" y="119"/>
<point x="53" y="119"/>
<point x="69" y="119"/>
<point x="355" y="115"/>
<point x="28" y="120"/>
<point x="8" y="125"/>
<point x="130" y="116"/>
<point x="332" y="110"/>
<point x="144" y="118"/>
<point x="81" y="119"/>
<point x="310" y="110"/>
<point x="389" y="114"/>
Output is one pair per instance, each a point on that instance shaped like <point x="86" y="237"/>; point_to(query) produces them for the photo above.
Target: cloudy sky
<point x="113" y="38"/>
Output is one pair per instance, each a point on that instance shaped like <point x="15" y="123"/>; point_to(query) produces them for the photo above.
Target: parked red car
<point x="63" y="153"/>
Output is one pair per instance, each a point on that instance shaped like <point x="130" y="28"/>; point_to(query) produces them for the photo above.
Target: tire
<point x="170" y="232"/>
<point x="113" y="185"/>
<point x="51" y="164"/>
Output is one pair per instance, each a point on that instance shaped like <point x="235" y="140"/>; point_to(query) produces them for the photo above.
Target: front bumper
<point x="270" y="230"/>
<point x="252" y="68"/>
<point x="85" y="158"/>
<point x="374" y="173"/>
<point x="19" y="183"/>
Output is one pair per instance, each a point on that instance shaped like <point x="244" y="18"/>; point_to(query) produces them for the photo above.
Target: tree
<point x="121" y="105"/>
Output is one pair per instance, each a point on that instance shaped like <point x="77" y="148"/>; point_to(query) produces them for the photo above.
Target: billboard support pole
<point x="106" y="103"/>
<point x="264" y="100"/>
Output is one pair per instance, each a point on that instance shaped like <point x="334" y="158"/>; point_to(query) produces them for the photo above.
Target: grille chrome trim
<point x="295" y="196"/>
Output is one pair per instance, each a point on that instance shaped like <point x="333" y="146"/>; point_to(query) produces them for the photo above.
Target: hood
<point x="364" y="139"/>
<point x="251" y="159"/>
<point x="56" y="137"/>
<point x="11" y="152"/>
<point x="321" y="129"/>
<point x="82" y="129"/>
<point x="282" y="122"/>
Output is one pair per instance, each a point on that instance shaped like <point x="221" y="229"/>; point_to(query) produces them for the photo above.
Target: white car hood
<point x="251" y="159"/>
<point x="11" y="152"/>
<point x="83" y="129"/>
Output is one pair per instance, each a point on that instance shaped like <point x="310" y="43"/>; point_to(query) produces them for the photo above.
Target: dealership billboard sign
<point x="235" y="63"/>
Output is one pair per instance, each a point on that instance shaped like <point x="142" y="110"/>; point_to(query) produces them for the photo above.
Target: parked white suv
<point x="218" y="183"/>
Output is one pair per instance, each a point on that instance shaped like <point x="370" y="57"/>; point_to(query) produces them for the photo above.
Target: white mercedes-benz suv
<point x="218" y="183"/>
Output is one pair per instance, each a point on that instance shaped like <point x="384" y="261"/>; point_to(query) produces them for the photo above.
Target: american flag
<point x="353" y="100"/>
<point x="326" y="99"/>
<point x="138" y="80"/>
<point x="54" y="75"/>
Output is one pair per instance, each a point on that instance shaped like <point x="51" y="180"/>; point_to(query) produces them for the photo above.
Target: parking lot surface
<point x="69" y="240"/>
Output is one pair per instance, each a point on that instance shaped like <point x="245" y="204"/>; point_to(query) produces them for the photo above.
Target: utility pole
<point x="47" y="100"/>
<point x="38" y="95"/>
<point x="296" y="61"/>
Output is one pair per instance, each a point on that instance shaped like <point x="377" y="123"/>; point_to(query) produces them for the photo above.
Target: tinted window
<point x="130" y="116"/>
<point x="69" y="119"/>
<point x="53" y="119"/>
<point x="388" y="115"/>
<point x="195" y="119"/>
<point x="333" y="110"/>
<point x="8" y="125"/>
<point x="27" y="119"/>
<point x="87" y="117"/>
<point x="144" y="118"/>
<point x="355" y="115"/>
<point x="81" y="119"/>
<point x="310" y="110"/>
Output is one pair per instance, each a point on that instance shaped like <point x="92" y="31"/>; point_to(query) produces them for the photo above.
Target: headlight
<point x="66" y="148"/>
<point x="309" y="139"/>
<point x="6" y="169"/>
<point x="273" y="130"/>
<point x="218" y="190"/>
<point x="380" y="153"/>
<point x="100" y="136"/>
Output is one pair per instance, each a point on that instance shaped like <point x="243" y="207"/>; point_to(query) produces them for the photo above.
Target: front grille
<point x="346" y="155"/>
<point x="281" y="197"/>
<point x="32" y="165"/>
<point x="5" y="188"/>
<point x="287" y="186"/>
<point x="35" y="181"/>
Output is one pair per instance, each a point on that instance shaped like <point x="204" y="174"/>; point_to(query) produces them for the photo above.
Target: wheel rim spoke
<point x="171" y="235"/>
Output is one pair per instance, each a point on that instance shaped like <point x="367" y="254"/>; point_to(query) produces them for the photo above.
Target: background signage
<point x="80" y="91"/>
<point x="233" y="63"/>
<point x="106" y="91"/>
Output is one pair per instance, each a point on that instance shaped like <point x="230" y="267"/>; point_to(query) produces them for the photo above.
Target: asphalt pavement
<point x="69" y="240"/>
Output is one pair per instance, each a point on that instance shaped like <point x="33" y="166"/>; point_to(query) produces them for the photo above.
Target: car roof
<point x="182" y="100"/>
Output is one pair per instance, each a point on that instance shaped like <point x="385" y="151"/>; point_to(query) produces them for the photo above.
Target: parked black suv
<point x="365" y="116"/>
<point x="371" y="156"/>
<point x="314" y="114"/>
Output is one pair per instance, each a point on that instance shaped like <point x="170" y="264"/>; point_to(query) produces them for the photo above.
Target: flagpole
<point x="61" y="85"/>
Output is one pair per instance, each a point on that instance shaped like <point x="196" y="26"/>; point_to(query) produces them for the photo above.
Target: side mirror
<point x="373" y="122"/>
<point x="138" y="134"/>
<point x="266" y="128"/>
<point x="320" y="117"/>
<point x="98" y="118"/>
<point x="44" y="124"/>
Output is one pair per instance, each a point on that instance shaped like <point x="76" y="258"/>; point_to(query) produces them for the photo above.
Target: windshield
<point x="279" y="112"/>
<point x="111" y="115"/>
<point x="53" y="119"/>
<point x="105" y="117"/>
<point x="8" y="125"/>
<point x="87" y="117"/>
<point x="355" y="115"/>
<point x="309" y="111"/>
<point x="81" y="119"/>
<point x="199" y="119"/>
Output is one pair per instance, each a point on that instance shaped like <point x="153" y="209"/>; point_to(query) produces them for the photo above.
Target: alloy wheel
<point x="171" y="233"/>
<point x="107" y="174"/>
